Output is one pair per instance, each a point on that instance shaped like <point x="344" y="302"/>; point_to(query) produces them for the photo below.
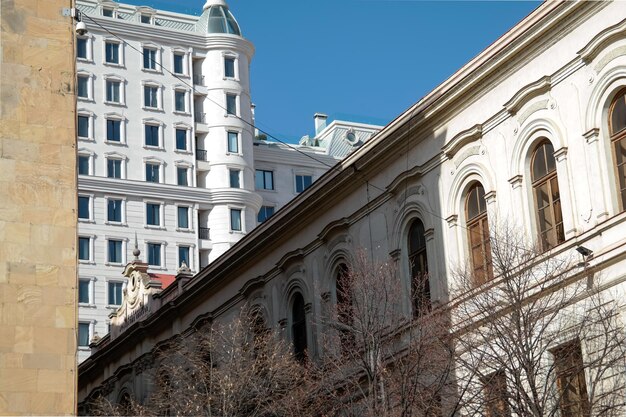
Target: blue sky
<point x="360" y="60"/>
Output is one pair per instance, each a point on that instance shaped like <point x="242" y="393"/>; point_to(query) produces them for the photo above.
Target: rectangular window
<point x="114" y="210"/>
<point x="231" y="104"/>
<point x="83" y="334"/>
<point x="265" y="213"/>
<point x="114" y="168"/>
<point x="113" y="91"/>
<point x="150" y="96"/>
<point x="154" y="254"/>
<point x="229" y="67"/>
<point x="83" y="165"/>
<point x="303" y="182"/>
<point x="495" y="395"/>
<point x="233" y="142"/>
<point x="235" y="220"/>
<point x="107" y="11"/>
<point x="83" y="291"/>
<point x="83" y="248"/>
<point x="179" y="67"/>
<point x="149" y="58"/>
<point x="83" y="86"/>
<point x="114" y="130"/>
<point x="234" y="178"/>
<point x="152" y="172"/>
<point x="153" y="214"/>
<point x="115" y="293"/>
<point x="568" y="360"/>
<point x="83" y="126"/>
<point x="181" y="175"/>
<point x="112" y="52"/>
<point x="81" y="48"/>
<point x="145" y="18"/>
<point x="264" y="180"/>
<point x="83" y="207"/>
<point x="181" y="139"/>
<point x="115" y="251"/>
<point x="152" y="135"/>
<point x="183" y="217"/>
<point x="179" y="101"/>
<point x="183" y="255"/>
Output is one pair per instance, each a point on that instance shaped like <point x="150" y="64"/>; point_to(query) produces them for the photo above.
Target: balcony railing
<point x="203" y="233"/>
<point x="200" y="117"/>
<point x="198" y="79"/>
<point x="201" y="155"/>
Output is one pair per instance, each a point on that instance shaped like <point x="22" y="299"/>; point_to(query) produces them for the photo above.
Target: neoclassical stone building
<point x="531" y="131"/>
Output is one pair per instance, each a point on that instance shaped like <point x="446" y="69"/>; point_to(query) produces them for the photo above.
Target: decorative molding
<point x="463" y="138"/>
<point x="539" y="105"/>
<point x="561" y="154"/>
<point x="283" y="323"/>
<point x="592" y="135"/>
<point x="490" y="197"/>
<point x="340" y="226"/>
<point x="452" y="220"/>
<point x="295" y="257"/>
<point x="252" y="285"/>
<point x="534" y="89"/>
<point x="429" y="234"/>
<point x="516" y="181"/>
<point x="325" y="296"/>
<point x="308" y="308"/>
<point x="396" y="186"/>
<point x="395" y="254"/>
<point x="602" y="40"/>
<point x="471" y="151"/>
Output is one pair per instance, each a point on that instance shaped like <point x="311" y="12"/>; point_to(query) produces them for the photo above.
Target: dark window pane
<point x="183" y="255"/>
<point x="115" y="293"/>
<point x="81" y="48"/>
<point x="235" y="219"/>
<point x="114" y="130"/>
<point x="178" y="64"/>
<point x="83" y="248"/>
<point x="183" y="217"/>
<point x="83" y="334"/>
<point x="114" y="210"/>
<point x="83" y="207"/>
<point x="83" y="126"/>
<point x="115" y="251"/>
<point x="618" y="115"/>
<point x="181" y="176"/>
<point x="154" y="254"/>
<point x="231" y="104"/>
<point x="83" y="165"/>
<point x="83" y="291"/>
<point x="181" y="139"/>
<point x="229" y="67"/>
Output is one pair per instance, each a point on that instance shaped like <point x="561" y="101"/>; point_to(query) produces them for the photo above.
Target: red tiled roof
<point x="165" y="279"/>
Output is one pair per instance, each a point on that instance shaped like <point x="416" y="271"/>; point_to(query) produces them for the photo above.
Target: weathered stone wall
<point x="37" y="209"/>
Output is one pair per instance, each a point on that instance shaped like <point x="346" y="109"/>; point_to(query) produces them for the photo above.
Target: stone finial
<point x="136" y="251"/>
<point x="184" y="269"/>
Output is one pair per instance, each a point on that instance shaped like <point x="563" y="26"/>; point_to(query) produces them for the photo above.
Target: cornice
<point x="601" y="40"/>
<point x="159" y="34"/>
<point x="461" y="139"/>
<point x="528" y="92"/>
<point x="145" y="189"/>
<point x="337" y="227"/>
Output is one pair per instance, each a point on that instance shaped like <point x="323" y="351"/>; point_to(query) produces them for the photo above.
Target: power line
<point x="331" y="167"/>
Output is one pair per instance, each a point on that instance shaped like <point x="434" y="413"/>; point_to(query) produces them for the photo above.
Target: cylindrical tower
<point x="223" y="108"/>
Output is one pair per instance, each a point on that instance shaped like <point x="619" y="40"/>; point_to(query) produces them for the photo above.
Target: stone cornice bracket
<point x="461" y="139"/>
<point x="516" y="181"/>
<point x="283" y="323"/>
<point x="592" y="135"/>
<point x="308" y="308"/>
<point x="429" y="234"/>
<point x="490" y="197"/>
<point x="325" y="296"/>
<point x="528" y="92"/>
<point x="395" y="254"/>
<point x="560" y="154"/>
<point x="452" y="220"/>
<point x="601" y="40"/>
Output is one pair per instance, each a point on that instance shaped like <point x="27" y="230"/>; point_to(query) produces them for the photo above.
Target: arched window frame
<point x="618" y="138"/>
<point x="343" y="304"/>
<point x="548" y="237"/>
<point x="478" y="227"/>
<point x="299" y="337"/>
<point x="418" y="267"/>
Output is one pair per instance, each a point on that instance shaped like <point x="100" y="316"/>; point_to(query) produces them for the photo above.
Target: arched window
<point x="298" y="327"/>
<point x="617" y="120"/>
<point x="478" y="233"/>
<point x="344" y="306"/>
<point x="418" y="265"/>
<point x="547" y="196"/>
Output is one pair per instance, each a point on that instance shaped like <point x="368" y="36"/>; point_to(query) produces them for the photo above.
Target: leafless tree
<point x="380" y="360"/>
<point x="239" y="368"/>
<point x="540" y="338"/>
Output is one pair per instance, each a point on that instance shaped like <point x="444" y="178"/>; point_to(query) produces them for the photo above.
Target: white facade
<point x="166" y="149"/>
<point x="554" y="78"/>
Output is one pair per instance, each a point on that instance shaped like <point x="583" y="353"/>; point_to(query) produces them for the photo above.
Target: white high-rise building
<point x="167" y="155"/>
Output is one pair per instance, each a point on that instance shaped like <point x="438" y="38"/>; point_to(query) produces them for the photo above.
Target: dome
<point x="216" y="18"/>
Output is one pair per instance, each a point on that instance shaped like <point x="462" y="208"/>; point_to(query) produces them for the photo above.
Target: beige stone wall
<point x="37" y="209"/>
